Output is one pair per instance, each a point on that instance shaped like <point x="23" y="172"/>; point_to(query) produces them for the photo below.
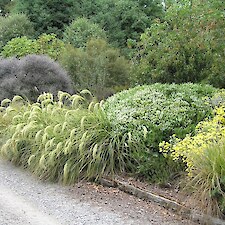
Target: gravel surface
<point x="25" y="200"/>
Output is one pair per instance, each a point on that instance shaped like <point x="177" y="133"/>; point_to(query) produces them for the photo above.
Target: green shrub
<point x="46" y="44"/>
<point x="203" y="153"/>
<point x="13" y="26"/>
<point x="65" y="139"/>
<point x="49" y="44"/>
<point x="187" y="46"/>
<point x="19" y="47"/>
<point x="98" y="68"/>
<point x="82" y="30"/>
<point x="30" y="76"/>
<point x="151" y="114"/>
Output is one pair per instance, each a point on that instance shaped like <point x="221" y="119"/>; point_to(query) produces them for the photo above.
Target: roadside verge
<point x="163" y="202"/>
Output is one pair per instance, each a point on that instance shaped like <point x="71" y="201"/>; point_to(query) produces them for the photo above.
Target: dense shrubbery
<point x="13" y="26"/>
<point x="80" y="31"/>
<point x="153" y="113"/>
<point x="187" y="46"/>
<point x="30" y="76"/>
<point x="89" y="141"/>
<point x="71" y="138"/>
<point x="160" y="109"/>
<point x="97" y="67"/>
<point x="46" y="44"/>
<point x="203" y="152"/>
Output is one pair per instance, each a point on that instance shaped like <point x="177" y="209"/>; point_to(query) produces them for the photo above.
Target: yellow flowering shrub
<point x="207" y="132"/>
<point x="204" y="154"/>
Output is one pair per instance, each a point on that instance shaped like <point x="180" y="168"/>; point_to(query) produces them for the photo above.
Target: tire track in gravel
<point x="25" y="200"/>
<point x="14" y="206"/>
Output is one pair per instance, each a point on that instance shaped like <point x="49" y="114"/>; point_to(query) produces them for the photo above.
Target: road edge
<point x="163" y="202"/>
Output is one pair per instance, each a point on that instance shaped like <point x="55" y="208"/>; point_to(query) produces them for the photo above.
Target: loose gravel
<point x="25" y="200"/>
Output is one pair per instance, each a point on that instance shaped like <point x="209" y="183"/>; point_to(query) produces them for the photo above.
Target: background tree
<point x="123" y="19"/>
<point x="12" y="26"/>
<point x="48" y="16"/>
<point x="187" y="46"/>
<point x="97" y="67"/>
<point x="5" y="6"/>
<point x="81" y="30"/>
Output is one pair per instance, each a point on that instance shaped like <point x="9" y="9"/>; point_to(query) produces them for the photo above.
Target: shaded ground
<point x="26" y="200"/>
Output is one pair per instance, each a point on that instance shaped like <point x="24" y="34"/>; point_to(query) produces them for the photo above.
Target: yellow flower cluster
<point x="207" y="132"/>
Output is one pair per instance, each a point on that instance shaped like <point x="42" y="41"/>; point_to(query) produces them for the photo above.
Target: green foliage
<point x="123" y="19"/>
<point x="46" y="44"/>
<point x="203" y="153"/>
<point x="151" y="114"/>
<point x="82" y="30"/>
<point x="97" y="67"/>
<point x="19" y="47"/>
<point x="208" y="179"/>
<point x="63" y="140"/>
<point x="186" y="46"/>
<point x="5" y="6"/>
<point x="47" y="16"/>
<point x="13" y="26"/>
<point x="49" y="45"/>
<point x="74" y="137"/>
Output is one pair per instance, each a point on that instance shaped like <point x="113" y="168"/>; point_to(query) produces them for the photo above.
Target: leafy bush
<point x="82" y="30"/>
<point x="98" y="68"/>
<point x="203" y="153"/>
<point x="49" y="44"/>
<point x="19" y="47"/>
<point x="151" y="114"/>
<point x="46" y="44"/>
<point x="64" y="139"/>
<point x="187" y="46"/>
<point x="30" y="76"/>
<point x="12" y="26"/>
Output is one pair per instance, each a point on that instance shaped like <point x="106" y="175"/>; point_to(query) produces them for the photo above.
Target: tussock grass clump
<point x="63" y="140"/>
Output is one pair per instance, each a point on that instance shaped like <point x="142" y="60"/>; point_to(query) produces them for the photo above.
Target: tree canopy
<point x="122" y="19"/>
<point x="186" y="46"/>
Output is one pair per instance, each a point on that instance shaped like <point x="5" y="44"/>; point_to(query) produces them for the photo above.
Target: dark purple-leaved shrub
<point x="32" y="75"/>
<point x="8" y="77"/>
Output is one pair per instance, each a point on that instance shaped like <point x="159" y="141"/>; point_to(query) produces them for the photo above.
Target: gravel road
<point x="25" y="200"/>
